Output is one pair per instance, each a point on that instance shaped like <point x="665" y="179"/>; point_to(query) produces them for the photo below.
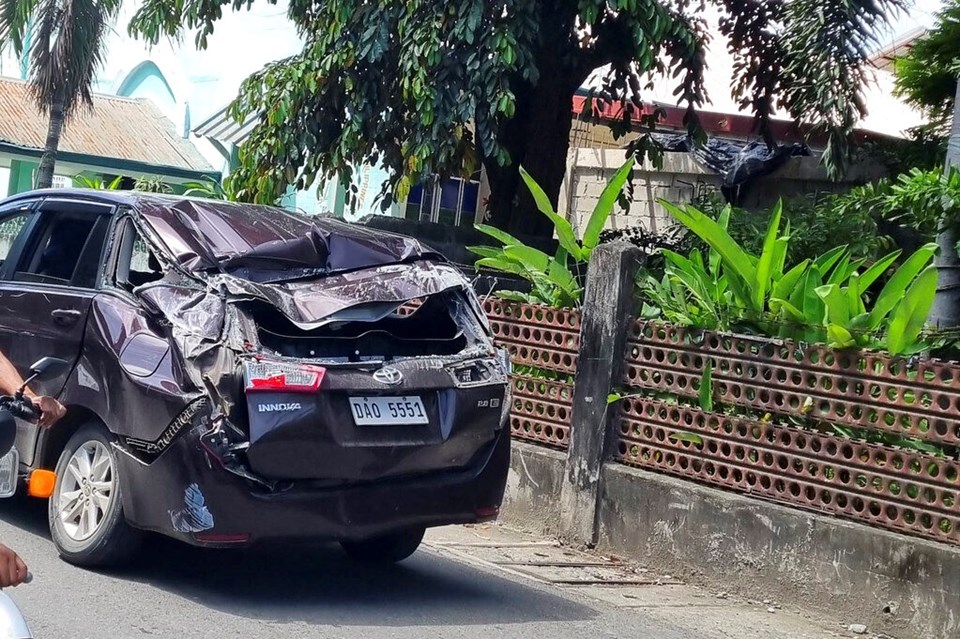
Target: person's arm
<point x="10" y="382"/>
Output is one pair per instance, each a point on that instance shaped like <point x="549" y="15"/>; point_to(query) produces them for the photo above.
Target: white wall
<point x="680" y="179"/>
<point x="202" y="81"/>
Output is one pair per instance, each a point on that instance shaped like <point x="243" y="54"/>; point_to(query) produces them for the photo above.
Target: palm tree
<point x="67" y="42"/>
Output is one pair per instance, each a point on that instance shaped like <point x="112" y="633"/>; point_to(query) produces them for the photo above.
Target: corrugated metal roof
<point x="224" y="129"/>
<point x="118" y="128"/>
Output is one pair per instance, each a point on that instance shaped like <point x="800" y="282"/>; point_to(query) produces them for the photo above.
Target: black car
<point x="243" y="374"/>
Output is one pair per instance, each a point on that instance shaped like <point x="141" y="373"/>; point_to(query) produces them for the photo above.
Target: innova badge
<point x="388" y="375"/>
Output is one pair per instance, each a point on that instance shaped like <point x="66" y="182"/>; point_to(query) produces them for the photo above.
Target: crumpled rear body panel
<point x="223" y="268"/>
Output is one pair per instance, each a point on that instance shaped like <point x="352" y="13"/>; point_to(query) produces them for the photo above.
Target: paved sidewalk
<point x="658" y="599"/>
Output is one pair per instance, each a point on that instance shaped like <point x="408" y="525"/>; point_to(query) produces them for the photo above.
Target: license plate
<point x="388" y="411"/>
<point x="9" y="467"/>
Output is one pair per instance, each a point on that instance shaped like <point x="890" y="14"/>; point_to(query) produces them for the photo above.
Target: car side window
<point x="11" y="228"/>
<point x="136" y="263"/>
<point x="66" y="249"/>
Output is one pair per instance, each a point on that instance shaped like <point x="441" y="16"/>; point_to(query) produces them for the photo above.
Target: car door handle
<point x="65" y="316"/>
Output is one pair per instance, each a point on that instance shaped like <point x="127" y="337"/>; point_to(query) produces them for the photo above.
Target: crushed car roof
<point x="255" y="240"/>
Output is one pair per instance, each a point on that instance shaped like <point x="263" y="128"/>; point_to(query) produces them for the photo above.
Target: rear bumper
<point x="182" y="495"/>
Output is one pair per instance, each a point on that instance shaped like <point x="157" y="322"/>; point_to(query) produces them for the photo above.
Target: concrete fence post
<point x="607" y="305"/>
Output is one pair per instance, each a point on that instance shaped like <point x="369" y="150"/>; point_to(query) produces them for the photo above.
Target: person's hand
<point x="12" y="569"/>
<point x="50" y="410"/>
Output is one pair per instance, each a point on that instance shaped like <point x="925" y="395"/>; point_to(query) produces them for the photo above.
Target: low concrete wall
<point x="907" y="587"/>
<point x="891" y="583"/>
<point x="532" y="500"/>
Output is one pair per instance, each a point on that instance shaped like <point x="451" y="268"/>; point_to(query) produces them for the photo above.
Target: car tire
<point x="385" y="549"/>
<point x="100" y="536"/>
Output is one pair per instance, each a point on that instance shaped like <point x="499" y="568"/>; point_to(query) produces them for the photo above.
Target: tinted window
<point x="67" y="249"/>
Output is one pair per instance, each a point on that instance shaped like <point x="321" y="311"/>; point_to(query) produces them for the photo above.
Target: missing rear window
<point x="430" y="329"/>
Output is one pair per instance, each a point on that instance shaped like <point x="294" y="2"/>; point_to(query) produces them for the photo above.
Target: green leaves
<point x="393" y="81"/>
<point x="926" y="76"/>
<point x="822" y="300"/>
<point x="893" y="291"/>
<point x="604" y="208"/>
<point x="734" y="257"/>
<point x="911" y="313"/>
<point x="684" y="436"/>
<point x="706" y="388"/>
<point x="772" y="245"/>
<point x="552" y="281"/>
<point x="564" y="231"/>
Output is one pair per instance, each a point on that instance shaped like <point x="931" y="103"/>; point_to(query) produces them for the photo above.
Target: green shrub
<point x="551" y="280"/>
<point x="815" y="221"/>
<point x="921" y="201"/>
<point x="816" y="300"/>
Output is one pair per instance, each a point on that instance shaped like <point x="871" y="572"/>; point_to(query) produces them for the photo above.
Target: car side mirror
<point x="48" y="367"/>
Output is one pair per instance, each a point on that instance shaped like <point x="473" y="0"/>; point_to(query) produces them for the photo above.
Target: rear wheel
<point x="385" y="549"/>
<point x="86" y="510"/>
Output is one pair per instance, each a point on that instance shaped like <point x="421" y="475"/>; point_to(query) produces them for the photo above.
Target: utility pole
<point x="946" y="306"/>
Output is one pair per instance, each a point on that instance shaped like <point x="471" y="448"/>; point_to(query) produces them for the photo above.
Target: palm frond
<point x="68" y="49"/>
<point x="15" y="18"/>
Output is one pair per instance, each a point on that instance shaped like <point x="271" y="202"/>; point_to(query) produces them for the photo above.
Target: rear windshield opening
<point x="429" y="329"/>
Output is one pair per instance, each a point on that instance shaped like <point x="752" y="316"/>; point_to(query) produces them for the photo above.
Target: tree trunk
<point x="946" y="306"/>
<point x="537" y="137"/>
<point x="49" y="158"/>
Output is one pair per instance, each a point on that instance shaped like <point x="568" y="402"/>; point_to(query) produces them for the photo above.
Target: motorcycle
<point x="12" y="623"/>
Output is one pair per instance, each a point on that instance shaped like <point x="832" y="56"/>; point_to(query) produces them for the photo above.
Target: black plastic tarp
<point x="737" y="162"/>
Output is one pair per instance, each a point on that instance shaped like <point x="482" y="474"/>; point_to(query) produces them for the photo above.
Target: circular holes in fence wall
<point x="945" y="526"/>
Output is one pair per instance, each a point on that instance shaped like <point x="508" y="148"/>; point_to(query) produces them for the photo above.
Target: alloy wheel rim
<point x="86" y="490"/>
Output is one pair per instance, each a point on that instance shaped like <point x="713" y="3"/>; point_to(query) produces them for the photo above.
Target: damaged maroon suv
<point x="241" y="374"/>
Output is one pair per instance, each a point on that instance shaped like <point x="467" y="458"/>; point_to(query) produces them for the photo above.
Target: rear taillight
<point x="281" y="377"/>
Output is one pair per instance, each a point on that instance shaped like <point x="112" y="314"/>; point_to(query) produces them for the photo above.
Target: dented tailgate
<point x="330" y="353"/>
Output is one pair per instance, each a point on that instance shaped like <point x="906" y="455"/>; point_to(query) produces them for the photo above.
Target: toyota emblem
<point x="389" y="376"/>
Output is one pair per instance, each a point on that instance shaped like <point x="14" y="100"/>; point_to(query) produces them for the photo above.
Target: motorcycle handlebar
<point x="21" y="408"/>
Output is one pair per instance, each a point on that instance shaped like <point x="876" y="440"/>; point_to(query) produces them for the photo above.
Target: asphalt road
<point x="182" y="592"/>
